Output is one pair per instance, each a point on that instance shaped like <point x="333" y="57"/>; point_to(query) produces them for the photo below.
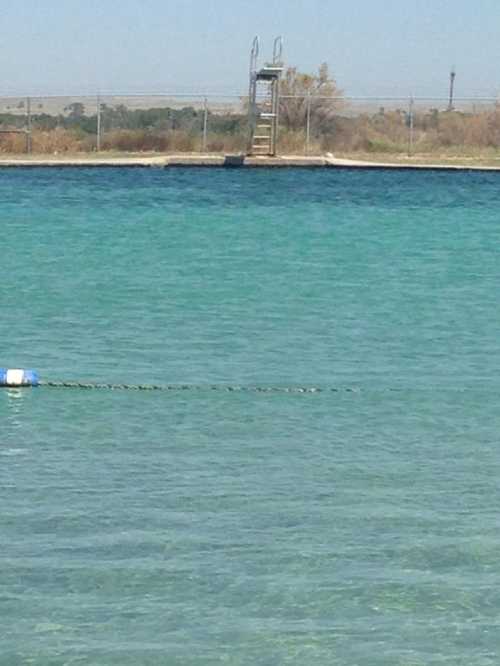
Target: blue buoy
<point x="18" y="378"/>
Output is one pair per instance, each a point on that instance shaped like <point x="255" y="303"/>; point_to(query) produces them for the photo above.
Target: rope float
<point x="29" y="378"/>
<point x="18" y="378"/>
<point x="221" y="388"/>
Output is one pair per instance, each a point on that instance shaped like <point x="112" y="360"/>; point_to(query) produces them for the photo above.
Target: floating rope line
<point x="29" y="378"/>
<point x="221" y="388"/>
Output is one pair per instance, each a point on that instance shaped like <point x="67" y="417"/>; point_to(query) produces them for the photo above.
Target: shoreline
<point x="235" y="161"/>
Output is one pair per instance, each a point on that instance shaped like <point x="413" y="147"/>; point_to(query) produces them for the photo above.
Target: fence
<point x="309" y="124"/>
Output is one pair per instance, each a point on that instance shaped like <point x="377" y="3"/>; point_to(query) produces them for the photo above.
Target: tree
<point x="75" y="111"/>
<point x="300" y="91"/>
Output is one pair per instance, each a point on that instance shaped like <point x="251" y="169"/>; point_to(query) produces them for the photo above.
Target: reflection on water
<point x="12" y="417"/>
<point x="14" y="406"/>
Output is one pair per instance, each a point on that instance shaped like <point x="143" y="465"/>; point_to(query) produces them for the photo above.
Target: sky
<point x="373" y="47"/>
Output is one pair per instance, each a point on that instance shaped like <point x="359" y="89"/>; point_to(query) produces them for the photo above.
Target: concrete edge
<point x="237" y="161"/>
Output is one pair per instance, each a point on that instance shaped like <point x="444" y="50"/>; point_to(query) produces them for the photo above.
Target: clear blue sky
<point x="373" y="47"/>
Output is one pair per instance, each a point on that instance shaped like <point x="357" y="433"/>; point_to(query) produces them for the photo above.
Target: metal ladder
<point x="264" y="101"/>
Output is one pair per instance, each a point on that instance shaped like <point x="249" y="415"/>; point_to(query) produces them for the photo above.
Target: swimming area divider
<point x="221" y="388"/>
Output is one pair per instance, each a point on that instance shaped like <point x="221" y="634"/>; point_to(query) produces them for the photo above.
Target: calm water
<point x="192" y="528"/>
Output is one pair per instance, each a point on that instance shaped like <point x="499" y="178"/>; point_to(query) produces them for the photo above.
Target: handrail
<point x="254" y="54"/>
<point x="277" y="50"/>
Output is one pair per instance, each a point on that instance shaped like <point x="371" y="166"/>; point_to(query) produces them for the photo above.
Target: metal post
<point x="205" y="125"/>
<point x="410" y="126"/>
<point x="28" y="126"/>
<point x="276" y="123"/>
<point x="98" y="143"/>
<point x="252" y="94"/>
<point x="308" y="122"/>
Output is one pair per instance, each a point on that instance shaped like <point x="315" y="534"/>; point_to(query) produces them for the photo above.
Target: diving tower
<point x="264" y="101"/>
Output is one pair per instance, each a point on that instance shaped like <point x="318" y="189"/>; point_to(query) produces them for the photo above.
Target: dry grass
<point x="444" y="138"/>
<point x="63" y="141"/>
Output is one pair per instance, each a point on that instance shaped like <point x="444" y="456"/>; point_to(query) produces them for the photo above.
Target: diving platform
<point x="264" y="102"/>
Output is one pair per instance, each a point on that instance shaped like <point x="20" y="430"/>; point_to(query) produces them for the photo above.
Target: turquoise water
<point x="358" y="527"/>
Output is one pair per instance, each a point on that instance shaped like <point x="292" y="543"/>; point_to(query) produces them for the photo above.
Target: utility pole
<point x="452" y="88"/>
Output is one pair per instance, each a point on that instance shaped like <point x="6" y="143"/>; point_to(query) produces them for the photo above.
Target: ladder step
<point x="268" y="115"/>
<point x="262" y="137"/>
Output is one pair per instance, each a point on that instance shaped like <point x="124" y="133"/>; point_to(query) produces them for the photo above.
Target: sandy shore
<point x="163" y="161"/>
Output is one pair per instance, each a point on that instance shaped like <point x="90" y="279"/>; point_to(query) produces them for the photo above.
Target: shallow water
<point x="199" y="527"/>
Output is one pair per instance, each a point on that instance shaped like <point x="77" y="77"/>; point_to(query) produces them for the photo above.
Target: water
<point x="349" y="528"/>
